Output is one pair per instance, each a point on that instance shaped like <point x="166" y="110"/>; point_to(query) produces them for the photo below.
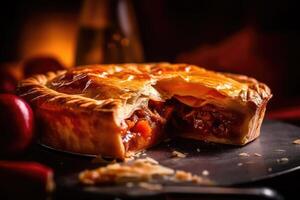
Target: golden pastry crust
<point x="137" y="171"/>
<point x="83" y="109"/>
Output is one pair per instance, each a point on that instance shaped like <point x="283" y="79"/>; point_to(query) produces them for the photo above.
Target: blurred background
<point x="256" y="38"/>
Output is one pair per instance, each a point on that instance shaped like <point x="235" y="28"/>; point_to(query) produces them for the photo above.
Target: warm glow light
<point x="50" y="35"/>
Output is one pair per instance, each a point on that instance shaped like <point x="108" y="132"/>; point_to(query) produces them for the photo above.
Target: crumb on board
<point x="205" y="172"/>
<point x="270" y="169"/>
<point x="243" y="154"/>
<point x="138" y="154"/>
<point x="150" y="186"/>
<point x="297" y="141"/>
<point x="129" y="159"/>
<point x="198" y="150"/>
<point x="279" y="150"/>
<point x="177" y="154"/>
<point x="240" y="164"/>
<point x="282" y="160"/>
<point x="150" y="160"/>
<point x="181" y="175"/>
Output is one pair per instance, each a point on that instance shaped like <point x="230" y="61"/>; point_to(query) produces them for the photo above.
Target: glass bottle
<point x="108" y="33"/>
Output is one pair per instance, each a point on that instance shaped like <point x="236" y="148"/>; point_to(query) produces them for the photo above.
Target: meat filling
<point x="148" y="125"/>
<point x="207" y="120"/>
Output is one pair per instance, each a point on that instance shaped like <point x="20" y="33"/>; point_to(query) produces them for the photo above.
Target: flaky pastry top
<point x="122" y="88"/>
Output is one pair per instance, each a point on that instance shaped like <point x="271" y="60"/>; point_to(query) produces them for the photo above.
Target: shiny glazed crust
<point x="82" y="109"/>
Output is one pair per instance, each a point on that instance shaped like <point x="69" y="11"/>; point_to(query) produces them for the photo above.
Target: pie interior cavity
<point x="118" y="110"/>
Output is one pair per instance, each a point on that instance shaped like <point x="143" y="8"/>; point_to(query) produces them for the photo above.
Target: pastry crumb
<point x="150" y="186"/>
<point x="240" y="164"/>
<point x="205" y="172"/>
<point x="297" y="141"/>
<point x="244" y="154"/>
<point x="282" y="160"/>
<point x="257" y="154"/>
<point x="177" y="154"/>
<point x="270" y="169"/>
<point x="150" y="160"/>
<point x="138" y="154"/>
<point x="181" y="175"/>
<point x="280" y="150"/>
<point x="129" y="159"/>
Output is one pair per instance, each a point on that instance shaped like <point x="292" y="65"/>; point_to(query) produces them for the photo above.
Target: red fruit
<point x="16" y="124"/>
<point x="25" y="179"/>
<point x="41" y="65"/>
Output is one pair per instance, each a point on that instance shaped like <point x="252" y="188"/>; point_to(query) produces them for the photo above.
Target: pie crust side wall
<point x="257" y="97"/>
<point x="77" y="126"/>
<point x="64" y="130"/>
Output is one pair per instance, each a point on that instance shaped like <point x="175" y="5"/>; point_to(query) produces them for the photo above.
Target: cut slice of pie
<point x="118" y="110"/>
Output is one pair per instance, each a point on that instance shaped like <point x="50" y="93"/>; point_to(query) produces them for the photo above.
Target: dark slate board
<point x="222" y="161"/>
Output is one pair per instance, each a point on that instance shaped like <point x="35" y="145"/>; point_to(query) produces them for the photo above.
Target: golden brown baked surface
<point x="145" y="170"/>
<point x="116" y="110"/>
